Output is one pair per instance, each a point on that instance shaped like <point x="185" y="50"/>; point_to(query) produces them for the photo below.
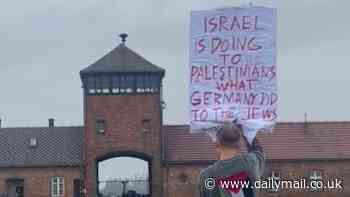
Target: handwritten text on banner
<point x="233" y="65"/>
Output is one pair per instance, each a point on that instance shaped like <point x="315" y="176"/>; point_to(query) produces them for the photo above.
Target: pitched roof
<point x="63" y="146"/>
<point x="120" y="60"/>
<point x="57" y="146"/>
<point x="289" y="141"/>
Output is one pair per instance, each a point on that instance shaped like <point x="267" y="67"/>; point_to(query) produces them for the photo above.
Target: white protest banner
<point x="233" y="68"/>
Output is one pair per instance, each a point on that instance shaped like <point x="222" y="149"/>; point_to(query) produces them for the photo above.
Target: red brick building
<point x="123" y="119"/>
<point x="40" y="162"/>
<point x="294" y="151"/>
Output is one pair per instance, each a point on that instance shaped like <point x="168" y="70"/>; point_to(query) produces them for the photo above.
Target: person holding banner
<point x="234" y="173"/>
<point x="233" y="92"/>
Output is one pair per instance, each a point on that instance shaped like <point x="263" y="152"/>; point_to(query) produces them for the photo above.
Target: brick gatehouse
<point x="123" y="104"/>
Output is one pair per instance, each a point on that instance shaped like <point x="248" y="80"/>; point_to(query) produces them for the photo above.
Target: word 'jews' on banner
<point x="232" y="66"/>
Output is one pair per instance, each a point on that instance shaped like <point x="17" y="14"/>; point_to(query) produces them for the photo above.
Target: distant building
<point x="123" y="108"/>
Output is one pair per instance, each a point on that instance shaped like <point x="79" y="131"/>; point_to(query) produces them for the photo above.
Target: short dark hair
<point x="229" y="135"/>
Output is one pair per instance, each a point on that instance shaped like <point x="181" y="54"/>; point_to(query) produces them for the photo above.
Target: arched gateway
<point x="123" y="118"/>
<point x="124" y="173"/>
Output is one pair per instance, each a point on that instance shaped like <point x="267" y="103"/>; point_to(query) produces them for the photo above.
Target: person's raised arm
<point x="255" y="146"/>
<point x="258" y="156"/>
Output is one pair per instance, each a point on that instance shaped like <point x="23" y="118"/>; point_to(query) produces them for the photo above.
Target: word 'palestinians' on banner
<point x="233" y="68"/>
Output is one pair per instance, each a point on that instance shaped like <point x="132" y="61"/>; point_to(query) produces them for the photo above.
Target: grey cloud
<point x="44" y="44"/>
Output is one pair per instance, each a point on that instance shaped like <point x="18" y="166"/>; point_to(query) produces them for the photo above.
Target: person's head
<point x="228" y="136"/>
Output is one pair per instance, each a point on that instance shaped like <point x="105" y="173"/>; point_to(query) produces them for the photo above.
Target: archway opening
<point x="123" y="176"/>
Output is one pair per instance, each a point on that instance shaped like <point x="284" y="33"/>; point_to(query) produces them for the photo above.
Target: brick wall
<point x="37" y="181"/>
<point x="177" y="187"/>
<point x="123" y="115"/>
<point x="182" y="181"/>
<point x="292" y="170"/>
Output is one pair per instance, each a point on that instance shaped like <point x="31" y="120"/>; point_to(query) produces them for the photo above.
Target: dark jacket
<point x="244" y="168"/>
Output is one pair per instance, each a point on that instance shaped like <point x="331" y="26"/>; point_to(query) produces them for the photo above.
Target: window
<point x="78" y="188"/>
<point x="106" y="84"/>
<point x="154" y="83"/>
<point x="146" y="124"/>
<point x="19" y="191"/>
<point x="126" y="84"/>
<point x="57" y="186"/>
<point x="14" y="187"/>
<point x="115" y="84"/>
<point x="316" y="175"/>
<point x="100" y="126"/>
<point x="140" y="84"/>
<point x="122" y="84"/>
<point x="33" y="142"/>
<point x="90" y="84"/>
<point x="274" y="177"/>
<point x="98" y="83"/>
<point x="130" y="84"/>
<point x="147" y="84"/>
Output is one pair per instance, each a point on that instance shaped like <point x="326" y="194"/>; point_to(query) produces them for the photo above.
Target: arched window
<point x="123" y="177"/>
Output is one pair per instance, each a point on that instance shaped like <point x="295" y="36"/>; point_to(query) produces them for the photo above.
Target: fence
<point x="124" y="188"/>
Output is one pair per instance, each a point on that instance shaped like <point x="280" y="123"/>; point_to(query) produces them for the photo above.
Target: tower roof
<point x="122" y="60"/>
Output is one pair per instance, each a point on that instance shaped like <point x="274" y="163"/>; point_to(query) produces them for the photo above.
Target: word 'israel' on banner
<point x="233" y="68"/>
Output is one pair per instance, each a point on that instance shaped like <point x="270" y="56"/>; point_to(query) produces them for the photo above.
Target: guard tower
<point x="122" y="114"/>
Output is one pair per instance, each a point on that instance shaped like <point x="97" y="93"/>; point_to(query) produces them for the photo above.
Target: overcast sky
<point x="45" y="43"/>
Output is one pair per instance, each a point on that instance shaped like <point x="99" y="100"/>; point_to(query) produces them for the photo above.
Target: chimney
<point x="51" y="123"/>
<point x="306" y="124"/>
